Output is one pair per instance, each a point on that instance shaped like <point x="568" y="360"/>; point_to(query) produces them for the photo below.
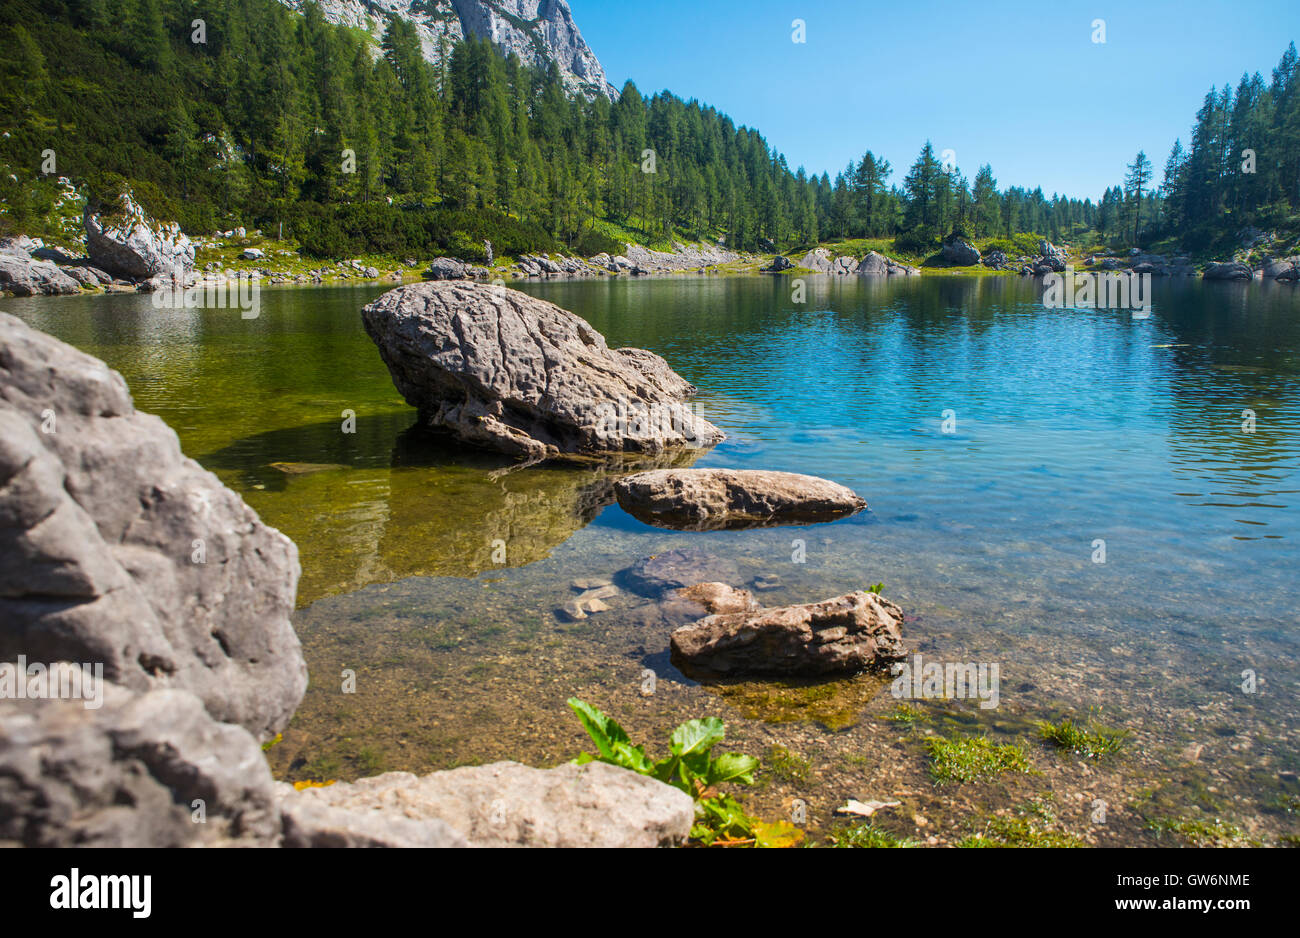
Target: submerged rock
<point x="719" y="598"/>
<point x="500" y="805"/>
<point x="713" y="499"/>
<point x="673" y="569"/>
<point x="856" y="632"/>
<point x="511" y="373"/>
<point x="117" y="549"/>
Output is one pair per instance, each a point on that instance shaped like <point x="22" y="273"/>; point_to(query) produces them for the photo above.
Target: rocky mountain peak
<point x="538" y="31"/>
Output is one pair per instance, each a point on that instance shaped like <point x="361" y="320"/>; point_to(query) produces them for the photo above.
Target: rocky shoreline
<point x="127" y="251"/>
<point x="154" y="605"/>
<point x="146" y="617"/>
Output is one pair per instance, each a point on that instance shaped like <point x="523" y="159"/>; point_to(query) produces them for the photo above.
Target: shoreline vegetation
<point x="281" y="263"/>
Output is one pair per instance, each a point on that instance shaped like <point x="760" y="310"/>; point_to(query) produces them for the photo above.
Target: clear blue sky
<point x="1015" y="83"/>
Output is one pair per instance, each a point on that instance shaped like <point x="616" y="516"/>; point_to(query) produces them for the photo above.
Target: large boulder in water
<point x="714" y="499"/>
<point x="856" y="632"/>
<point x="512" y="373"/>
<point x="128" y="243"/>
<point x="116" y="549"/>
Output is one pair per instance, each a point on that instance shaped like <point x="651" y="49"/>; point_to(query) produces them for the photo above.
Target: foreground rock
<point x="117" y="549"/>
<point x="856" y="632"/>
<point x="499" y="805"/>
<point x="128" y="774"/>
<point x="128" y="243"/>
<point x="719" y="598"/>
<point x="715" y="499"/>
<point x="119" y="554"/>
<point x="312" y="821"/>
<point x="511" y="373"/>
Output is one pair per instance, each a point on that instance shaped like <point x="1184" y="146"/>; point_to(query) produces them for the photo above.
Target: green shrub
<point x="916" y="241"/>
<point x="594" y="242"/>
<point x="689" y="766"/>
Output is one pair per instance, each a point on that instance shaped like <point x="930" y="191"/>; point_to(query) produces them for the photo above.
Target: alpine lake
<point x="1078" y="496"/>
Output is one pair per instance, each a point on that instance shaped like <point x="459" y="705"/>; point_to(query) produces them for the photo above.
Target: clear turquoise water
<point x="1071" y="426"/>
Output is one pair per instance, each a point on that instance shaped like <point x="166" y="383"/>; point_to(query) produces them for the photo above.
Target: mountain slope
<point x="538" y="31"/>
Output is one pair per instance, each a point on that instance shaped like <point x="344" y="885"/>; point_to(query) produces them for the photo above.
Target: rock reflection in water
<point x="434" y="510"/>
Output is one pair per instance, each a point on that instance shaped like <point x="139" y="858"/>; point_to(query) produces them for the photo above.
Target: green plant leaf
<point x="697" y="736"/>
<point x="731" y="767"/>
<point x="632" y="757"/>
<point x="603" y="730"/>
<point x="723" y="815"/>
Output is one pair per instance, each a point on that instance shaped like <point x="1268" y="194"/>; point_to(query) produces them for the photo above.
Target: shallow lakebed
<point x="997" y="443"/>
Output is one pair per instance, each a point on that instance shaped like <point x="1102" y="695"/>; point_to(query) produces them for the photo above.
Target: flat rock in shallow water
<point x="713" y="499"/>
<point x="503" y="370"/>
<point x="856" y="632"/>
<point x="673" y="569"/>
